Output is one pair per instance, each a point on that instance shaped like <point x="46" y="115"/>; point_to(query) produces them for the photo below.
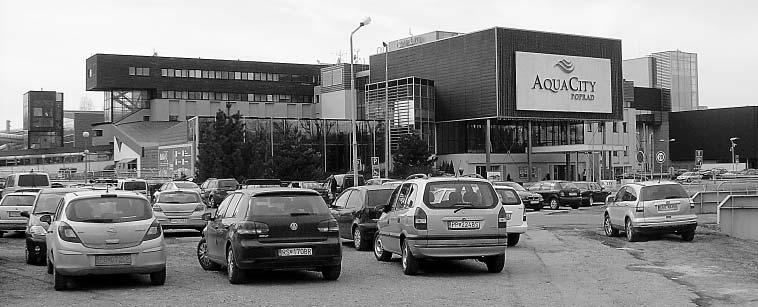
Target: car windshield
<point x="508" y="196"/>
<point x="109" y="210"/>
<point x="178" y="197"/>
<point x="453" y="194"/>
<point x="288" y="205"/>
<point x="566" y="185"/>
<point x="185" y="185"/>
<point x="667" y="191"/>
<point x="17" y="200"/>
<point x="513" y="185"/>
<point x="582" y="185"/>
<point x="135" y="186"/>
<point x="378" y="197"/>
<point x="32" y="180"/>
<point x="46" y="203"/>
<point x="227" y="183"/>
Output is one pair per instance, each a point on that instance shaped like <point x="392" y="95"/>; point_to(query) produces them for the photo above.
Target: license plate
<point x="14" y="213"/>
<point x="113" y="260"/>
<point x="295" y="252"/>
<point x="667" y="207"/>
<point x="572" y="194"/>
<point x="465" y="224"/>
<point x="534" y="202"/>
<point x="178" y="221"/>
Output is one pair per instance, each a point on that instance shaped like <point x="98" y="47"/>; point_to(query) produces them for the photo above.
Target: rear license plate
<point x="572" y="194"/>
<point x="113" y="260"/>
<point x="534" y="202"/>
<point x="295" y="252"/>
<point x="178" y="221"/>
<point x="667" y="207"/>
<point x="14" y="213"/>
<point x="465" y="224"/>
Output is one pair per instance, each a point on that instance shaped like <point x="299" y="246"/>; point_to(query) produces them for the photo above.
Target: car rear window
<point x="508" y="196"/>
<point x="227" y="183"/>
<point x="379" y="197"/>
<point x="451" y="194"/>
<point x="667" y="191"/>
<point x="185" y="185"/>
<point x="32" y="180"/>
<point x="311" y="185"/>
<point x="178" y="197"/>
<point x="109" y="210"/>
<point x="46" y="203"/>
<point x="17" y="200"/>
<point x="287" y="204"/>
<point x="513" y="185"/>
<point x="135" y="186"/>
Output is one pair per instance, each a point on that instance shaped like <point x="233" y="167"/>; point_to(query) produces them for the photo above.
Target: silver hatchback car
<point x="650" y="207"/>
<point x="99" y="233"/>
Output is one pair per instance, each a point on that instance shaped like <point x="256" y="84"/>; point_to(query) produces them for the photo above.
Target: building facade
<point x="43" y="119"/>
<point x="674" y="71"/>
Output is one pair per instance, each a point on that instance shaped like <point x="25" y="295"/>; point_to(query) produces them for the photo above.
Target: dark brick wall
<point x="710" y="131"/>
<point x="83" y="122"/>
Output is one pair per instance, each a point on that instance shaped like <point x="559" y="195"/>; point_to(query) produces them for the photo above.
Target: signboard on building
<point x="176" y="161"/>
<point x="699" y="157"/>
<point x="552" y="82"/>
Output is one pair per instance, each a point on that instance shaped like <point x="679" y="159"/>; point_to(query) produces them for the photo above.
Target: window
<point x="218" y="75"/>
<point x="615" y="153"/>
<point x="146" y="71"/>
<point x="600" y="127"/>
<point x="223" y="206"/>
<point x="98" y="132"/>
<point x="623" y="127"/>
<point x="146" y="118"/>
<point x="164" y="72"/>
<point x="131" y="71"/>
<point x="615" y="127"/>
<point x="184" y="73"/>
<point x="205" y="74"/>
<point x="171" y="72"/>
<point x="237" y="75"/>
<point x="192" y="73"/>
<point x="589" y="127"/>
<point x="626" y="151"/>
<point x="224" y="75"/>
<point x="197" y="73"/>
<point x="341" y="201"/>
<point x="173" y="118"/>
<point x="233" y="205"/>
<point x="89" y="72"/>
<point x="354" y="202"/>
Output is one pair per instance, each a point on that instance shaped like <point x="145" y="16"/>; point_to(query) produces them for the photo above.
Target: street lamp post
<point x="85" y="135"/>
<point x="354" y="104"/>
<point x="387" y="149"/>
<point x="734" y="164"/>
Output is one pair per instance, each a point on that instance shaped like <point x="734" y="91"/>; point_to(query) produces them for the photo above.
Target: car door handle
<point x="398" y="219"/>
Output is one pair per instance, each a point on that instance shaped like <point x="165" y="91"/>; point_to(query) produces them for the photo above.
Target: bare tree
<point x="86" y="104"/>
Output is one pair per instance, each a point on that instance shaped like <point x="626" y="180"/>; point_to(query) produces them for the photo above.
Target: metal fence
<point x="737" y="216"/>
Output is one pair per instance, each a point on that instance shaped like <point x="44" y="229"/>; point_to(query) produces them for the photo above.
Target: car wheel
<point x="688" y="236"/>
<point x="158" y="278"/>
<point x="513" y="238"/>
<point x="631" y="234"/>
<point x="49" y="267"/>
<point x="30" y="259"/>
<point x="59" y="281"/>
<point x="379" y="252"/>
<point x="202" y="256"/>
<point x="410" y="264"/>
<point x="575" y="206"/>
<point x="553" y="203"/>
<point x="332" y="273"/>
<point x="495" y="264"/>
<point x="358" y="240"/>
<point x="232" y="270"/>
<point x="538" y="208"/>
<point x="609" y="230"/>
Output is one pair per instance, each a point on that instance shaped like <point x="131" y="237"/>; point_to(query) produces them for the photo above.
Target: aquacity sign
<point x="552" y="82"/>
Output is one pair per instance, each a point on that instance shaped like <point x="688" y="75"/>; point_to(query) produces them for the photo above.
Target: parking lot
<point x="563" y="260"/>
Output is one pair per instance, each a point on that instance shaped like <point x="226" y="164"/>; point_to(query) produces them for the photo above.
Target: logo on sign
<point x="565" y="66"/>
<point x="293" y="226"/>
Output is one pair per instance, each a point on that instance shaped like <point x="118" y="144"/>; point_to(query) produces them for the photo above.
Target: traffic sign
<point x="640" y="156"/>
<point x="375" y="173"/>
<point x="374" y="160"/>
<point x="660" y="157"/>
<point x="698" y="157"/>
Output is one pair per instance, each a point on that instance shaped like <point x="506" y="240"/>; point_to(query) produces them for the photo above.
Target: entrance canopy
<point x="577" y="148"/>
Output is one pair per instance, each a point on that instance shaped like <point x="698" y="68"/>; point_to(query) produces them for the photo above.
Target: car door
<point x="338" y="206"/>
<point x="393" y="228"/>
<point x="347" y="216"/>
<point x="213" y="231"/>
<point x="382" y="223"/>
<point x="227" y="221"/>
<point x="613" y="207"/>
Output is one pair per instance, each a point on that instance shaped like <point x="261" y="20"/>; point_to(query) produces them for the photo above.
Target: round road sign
<point x="660" y="157"/>
<point x="640" y="156"/>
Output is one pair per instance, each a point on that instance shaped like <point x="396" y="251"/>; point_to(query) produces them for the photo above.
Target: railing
<point x="737" y="216"/>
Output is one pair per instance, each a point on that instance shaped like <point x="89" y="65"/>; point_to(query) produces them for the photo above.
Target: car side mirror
<point x="25" y="214"/>
<point x="610" y="199"/>
<point x="208" y="216"/>
<point x="386" y="208"/>
<point x="45" y="218"/>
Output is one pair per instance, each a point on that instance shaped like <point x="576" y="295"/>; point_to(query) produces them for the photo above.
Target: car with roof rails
<point x="215" y="190"/>
<point x="650" y="207"/>
<point x="104" y="233"/>
<point x="514" y="213"/>
<point x="357" y="209"/>
<point x="443" y="218"/>
<point x="12" y="207"/>
<point x="557" y="193"/>
<point x="30" y="182"/>
<point x="271" y="229"/>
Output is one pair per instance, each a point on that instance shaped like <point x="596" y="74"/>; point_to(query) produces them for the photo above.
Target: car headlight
<point x="37" y="230"/>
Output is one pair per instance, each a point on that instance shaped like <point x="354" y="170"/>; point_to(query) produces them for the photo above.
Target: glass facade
<point x="410" y="106"/>
<point x="507" y="136"/>
<point x="120" y="104"/>
<point x="677" y="71"/>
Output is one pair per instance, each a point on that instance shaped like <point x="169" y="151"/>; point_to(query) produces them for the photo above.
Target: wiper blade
<point x="44" y="212"/>
<point x="461" y="206"/>
<point x="300" y="213"/>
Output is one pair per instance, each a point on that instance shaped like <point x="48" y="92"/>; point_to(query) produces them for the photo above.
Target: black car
<point x="557" y="193"/>
<point x="215" y="190"/>
<point x="356" y="212"/>
<point x="591" y="192"/>
<point x="271" y="229"/>
<point x="335" y="184"/>
<point x="45" y="203"/>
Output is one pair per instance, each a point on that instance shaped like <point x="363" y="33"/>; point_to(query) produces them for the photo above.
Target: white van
<point x="31" y="182"/>
<point x="134" y="185"/>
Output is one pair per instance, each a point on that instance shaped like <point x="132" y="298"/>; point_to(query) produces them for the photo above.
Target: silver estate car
<point x="650" y="207"/>
<point x="447" y="218"/>
<point x="179" y="209"/>
<point x="99" y="233"/>
<point x="11" y="208"/>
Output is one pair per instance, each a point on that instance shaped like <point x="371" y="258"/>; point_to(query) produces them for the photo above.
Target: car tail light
<point x="68" y="234"/>
<point x="640" y="207"/>
<point x="157" y="208"/>
<point x="419" y="219"/>
<point x="329" y="225"/>
<point x="502" y="218"/>
<point x="253" y="228"/>
<point x="692" y="204"/>
<point x="153" y="232"/>
<point x="524" y="218"/>
<point x="200" y="207"/>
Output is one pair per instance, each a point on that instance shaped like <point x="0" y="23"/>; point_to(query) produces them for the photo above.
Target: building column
<point x="487" y="147"/>
<point x="529" y="151"/>
<point x="576" y="172"/>
<point x="567" y="174"/>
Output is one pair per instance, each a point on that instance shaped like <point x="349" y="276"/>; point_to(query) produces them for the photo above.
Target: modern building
<point x="43" y="119"/>
<point x="334" y="92"/>
<point x="675" y="71"/>
<point x="78" y="122"/>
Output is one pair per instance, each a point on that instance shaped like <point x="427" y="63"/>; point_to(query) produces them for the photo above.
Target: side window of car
<point x="242" y="207"/>
<point x="58" y="211"/>
<point x="232" y="209"/>
<point x="620" y="194"/>
<point x="630" y="195"/>
<point x="341" y="201"/>
<point x="393" y="198"/>
<point x="354" y="202"/>
<point x="411" y="198"/>
<point x="402" y="195"/>
<point x="222" y="207"/>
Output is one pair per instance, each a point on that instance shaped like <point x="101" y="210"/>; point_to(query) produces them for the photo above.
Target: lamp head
<point x="85" y="134"/>
<point x="734" y="139"/>
<point x="366" y="21"/>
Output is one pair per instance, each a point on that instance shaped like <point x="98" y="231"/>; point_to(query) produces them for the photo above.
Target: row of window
<point x="236" y="96"/>
<point x="234" y="75"/>
<point x="614" y="127"/>
<point x="137" y="71"/>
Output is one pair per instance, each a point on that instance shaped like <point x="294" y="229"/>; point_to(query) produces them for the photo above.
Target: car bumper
<point x="13" y="225"/>
<point x="253" y="255"/>
<point x="666" y="226"/>
<point x="146" y="258"/>
<point x="193" y="222"/>
<point x="530" y="205"/>
<point x="570" y="200"/>
<point x="517" y="229"/>
<point x="36" y="246"/>
<point x="459" y="248"/>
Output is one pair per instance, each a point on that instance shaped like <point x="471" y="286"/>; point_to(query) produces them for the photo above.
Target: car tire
<point x="60" y="282"/>
<point x="30" y="259"/>
<point x="632" y="235"/>
<point x="158" y="278"/>
<point x="513" y="239"/>
<point x="553" y="203"/>
<point x="575" y="206"/>
<point x="688" y="236"/>
<point x="409" y="262"/>
<point x="235" y="274"/>
<point x="49" y="267"/>
<point x="359" y="240"/>
<point x="332" y="272"/>
<point x="379" y="253"/>
<point x="495" y="264"/>
<point x="538" y="208"/>
<point x="608" y="228"/>
<point x="202" y="257"/>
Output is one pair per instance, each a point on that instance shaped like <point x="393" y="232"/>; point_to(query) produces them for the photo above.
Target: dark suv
<point x="558" y="193"/>
<point x="215" y="190"/>
<point x="271" y="229"/>
<point x="335" y="184"/>
<point x="356" y="212"/>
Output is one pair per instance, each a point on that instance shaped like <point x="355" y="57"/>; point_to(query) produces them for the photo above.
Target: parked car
<point x="261" y="183"/>
<point x="179" y="209"/>
<point x="514" y="213"/>
<point x="335" y="184"/>
<point x="215" y="190"/>
<point x="591" y="192"/>
<point x="393" y="183"/>
<point x="650" y="207"/>
<point x="531" y="200"/>
<point x="134" y="185"/>
<point x="31" y="182"/>
<point x="97" y="232"/>
<point x="179" y="185"/>
<point x="689" y="176"/>
<point x="377" y="181"/>
<point x="557" y="193"/>
<point x="11" y="207"/>
<point x="44" y="203"/>
<point x="439" y="218"/>
<point x="313" y="185"/>
<point x="271" y="229"/>
<point x="357" y="210"/>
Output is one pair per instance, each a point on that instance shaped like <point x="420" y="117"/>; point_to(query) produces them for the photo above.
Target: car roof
<point x="277" y="190"/>
<point x="91" y="193"/>
<point x="22" y="193"/>
<point x="373" y="187"/>
<point x="132" y="179"/>
<point x="503" y="187"/>
<point x="62" y="190"/>
<point x="446" y="179"/>
<point x="652" y="183"/>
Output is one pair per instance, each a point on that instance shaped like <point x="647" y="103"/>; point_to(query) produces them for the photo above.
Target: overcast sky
<point x="44" y="44"/>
